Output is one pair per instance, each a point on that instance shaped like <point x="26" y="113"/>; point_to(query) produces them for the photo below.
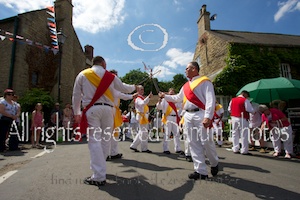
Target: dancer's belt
<point x="102" y="104"/>
<point x="192" y="110"/>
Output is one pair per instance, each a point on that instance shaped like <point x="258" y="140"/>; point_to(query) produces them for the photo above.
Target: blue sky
<point x="162" y="33"/>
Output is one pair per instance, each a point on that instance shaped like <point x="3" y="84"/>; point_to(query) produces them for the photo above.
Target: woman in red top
<point x="281" y="129"/>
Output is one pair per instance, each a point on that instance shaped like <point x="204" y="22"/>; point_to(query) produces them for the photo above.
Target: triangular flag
<point x="52" y="29"/>
<point x="50" y="8"/>
<point x="55" y="51"/>
<point x="51" y="19"/>
<point x="29" y="42"/>
<point x="2" y="37"/>
<point x="53" y="32"/>
<point x="52" y="14"/>
<point x="52" y="24"/>
<point x="20" y="37"/>
<point x="8" y="33"/>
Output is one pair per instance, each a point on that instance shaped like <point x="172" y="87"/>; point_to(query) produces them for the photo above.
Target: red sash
<point x="175" y="109"/>
<point x="190" y="95"/>
<point x="102" y="87"/>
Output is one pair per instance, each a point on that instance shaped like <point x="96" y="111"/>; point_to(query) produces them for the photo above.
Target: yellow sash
<point x="218" y="107"/>
<point x="144" y="119"/>
<point x="95" y="80"/>
<point x="194" y="84"/>
<point x="168" y="111"/>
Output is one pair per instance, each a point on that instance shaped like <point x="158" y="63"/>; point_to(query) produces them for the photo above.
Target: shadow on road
<point x="260" y="190"/>
<point x="139" y="187"/>
<point x="143" y="165"/>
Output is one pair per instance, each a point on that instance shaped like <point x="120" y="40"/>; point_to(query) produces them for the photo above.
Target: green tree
<point x="178" y="81"/>
<point x="34" y="96"/>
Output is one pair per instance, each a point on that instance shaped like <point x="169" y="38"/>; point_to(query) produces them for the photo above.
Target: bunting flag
<point x="53" y="35"/>
<point x="20" y="39"/>
<point x="52" y="27"/>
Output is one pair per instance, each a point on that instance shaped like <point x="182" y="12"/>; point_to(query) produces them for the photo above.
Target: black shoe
<point x="134" y="149"/>
<point x="167" y="152"/>
<point x="108" y="158"/>
<point x="180" y="152"/>
<point x="236" y="152"/>
<point x="119" y="155"/>
<point x="189" y="158"/>
<point x="196" y="176"/>
<point x="147" y="151"/>
<point x="214" y="170"/>
<point x="89" y="181"/>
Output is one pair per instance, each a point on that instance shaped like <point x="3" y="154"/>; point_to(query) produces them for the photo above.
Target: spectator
<point x="56" y="116"/>
<point x="37" y="125"/>
<point x="8" y="113"/>
<point x="68" y="116"/>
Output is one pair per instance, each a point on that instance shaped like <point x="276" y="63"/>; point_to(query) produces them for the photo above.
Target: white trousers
<point x="141" y="138"/>
<point x="114" y="150"/>
<point x="171" y="127"/>
<point x="100" y="121"/>
<point x="200" y="141"/>
<point x="285" y="135"/>
<point x="218" y="128"/>
<point x="240" y="130"/>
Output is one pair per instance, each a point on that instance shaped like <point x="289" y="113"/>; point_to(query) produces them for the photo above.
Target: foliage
<point x="34" y="96"/>
<point x="178" y="81"/>
<point x="138" y="77"/>
<point x="248" y="63"/>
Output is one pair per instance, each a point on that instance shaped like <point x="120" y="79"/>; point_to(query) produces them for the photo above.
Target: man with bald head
<point x="142" y="113"/>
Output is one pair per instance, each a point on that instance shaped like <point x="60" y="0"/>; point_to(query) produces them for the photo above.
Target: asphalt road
<point x="35" y="174"/>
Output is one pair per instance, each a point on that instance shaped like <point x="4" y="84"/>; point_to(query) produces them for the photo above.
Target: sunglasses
<point x="9" y="94"/>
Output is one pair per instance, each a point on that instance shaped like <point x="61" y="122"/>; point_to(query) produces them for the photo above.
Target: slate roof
<point x="268" y="39"/>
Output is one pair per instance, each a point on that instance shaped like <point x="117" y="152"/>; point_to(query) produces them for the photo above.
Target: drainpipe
<point x="13" y="53"/>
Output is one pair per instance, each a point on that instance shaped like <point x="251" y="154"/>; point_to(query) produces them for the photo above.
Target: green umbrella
<point x="267" y="90"/>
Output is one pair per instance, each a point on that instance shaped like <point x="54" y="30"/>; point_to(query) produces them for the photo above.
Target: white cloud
<point x="89" y="15"/>
<point x="177" y="58"/>
<point x="101" y="16"/>
<point x="286" y="7"/>
<point x="26" y="5"/>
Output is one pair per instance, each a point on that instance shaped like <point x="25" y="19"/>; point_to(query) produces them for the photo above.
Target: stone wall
<point x="33" y="25"/>
<point x="212" y="51"/>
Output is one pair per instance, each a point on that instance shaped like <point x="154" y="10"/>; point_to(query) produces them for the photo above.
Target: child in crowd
<point x="37" y="125"/>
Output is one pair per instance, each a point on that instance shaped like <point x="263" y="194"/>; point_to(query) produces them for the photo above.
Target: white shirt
<point x="84" y="90"/>
<point x="163" y="105"/>
<point x="206" y="94"/>
<point x="139" y="104"/>
<point x="255" y="118"/>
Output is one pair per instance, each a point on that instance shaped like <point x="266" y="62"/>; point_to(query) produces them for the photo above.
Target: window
<point x="285" y="70"/>
<point x="34" y="79"/>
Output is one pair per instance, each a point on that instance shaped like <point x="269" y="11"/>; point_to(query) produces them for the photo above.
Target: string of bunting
<point x="52" y="26"/>
<point x="20" y="39"/>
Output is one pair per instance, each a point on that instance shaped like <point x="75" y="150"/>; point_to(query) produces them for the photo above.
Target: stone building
<point x="25" y="66"/>
<point x="212" y="51"/>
